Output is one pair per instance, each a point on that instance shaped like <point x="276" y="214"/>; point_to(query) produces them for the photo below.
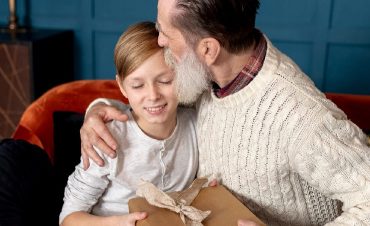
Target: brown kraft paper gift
<point x="225" y="210"/>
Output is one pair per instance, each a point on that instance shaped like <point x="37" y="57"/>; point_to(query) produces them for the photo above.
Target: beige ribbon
<point x="178" y="202"/>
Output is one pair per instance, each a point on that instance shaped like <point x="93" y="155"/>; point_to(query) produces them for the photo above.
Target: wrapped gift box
<point x="226" y="210"/>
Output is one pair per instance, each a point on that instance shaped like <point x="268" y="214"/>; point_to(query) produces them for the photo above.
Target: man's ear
<point x="120" y="85"/>
<point x="209" y="50"/>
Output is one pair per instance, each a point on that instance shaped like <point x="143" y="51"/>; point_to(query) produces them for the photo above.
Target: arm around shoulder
<point x="95" y="132"/>
<point x="109" y="102"/>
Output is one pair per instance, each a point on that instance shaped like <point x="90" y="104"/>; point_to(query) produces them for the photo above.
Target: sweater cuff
<point x="110" y="102"/>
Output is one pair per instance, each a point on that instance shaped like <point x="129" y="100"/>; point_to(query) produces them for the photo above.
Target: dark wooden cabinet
<point x="31" y="63"/>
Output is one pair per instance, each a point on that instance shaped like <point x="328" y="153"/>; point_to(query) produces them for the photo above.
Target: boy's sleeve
<point x="84" y="188"/>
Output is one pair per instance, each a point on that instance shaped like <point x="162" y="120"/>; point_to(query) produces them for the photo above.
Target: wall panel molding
<point x="339" y="29"/>
<point x="312" y="32"/>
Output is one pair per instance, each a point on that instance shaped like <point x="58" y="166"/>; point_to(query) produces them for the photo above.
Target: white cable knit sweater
<point x="284" y="149"/>
<point x="280" y="146"/>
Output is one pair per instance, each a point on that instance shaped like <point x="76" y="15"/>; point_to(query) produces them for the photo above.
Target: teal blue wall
<point x="329" y="39"/>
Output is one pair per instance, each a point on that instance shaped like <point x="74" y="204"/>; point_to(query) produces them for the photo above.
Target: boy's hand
<point x="130" y="219"/>
<point x="246" y="223"/>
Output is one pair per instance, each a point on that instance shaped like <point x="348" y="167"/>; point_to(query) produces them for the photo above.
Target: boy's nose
<point x="154" y="93"/>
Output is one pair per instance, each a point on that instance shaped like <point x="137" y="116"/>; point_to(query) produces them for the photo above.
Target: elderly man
<point x="279" y="145"/>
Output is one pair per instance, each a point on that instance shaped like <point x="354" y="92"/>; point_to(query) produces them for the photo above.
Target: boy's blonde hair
<point x="136" y="44"/>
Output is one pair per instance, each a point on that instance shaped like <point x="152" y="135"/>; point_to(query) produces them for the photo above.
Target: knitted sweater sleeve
<point x="335" y="159"/>
<point x="111" y="102"/>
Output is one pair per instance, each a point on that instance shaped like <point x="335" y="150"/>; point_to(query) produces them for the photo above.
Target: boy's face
<point x="151" y="92"/>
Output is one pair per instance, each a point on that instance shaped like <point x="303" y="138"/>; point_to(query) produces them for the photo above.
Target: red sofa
<point x="36" y="124"/>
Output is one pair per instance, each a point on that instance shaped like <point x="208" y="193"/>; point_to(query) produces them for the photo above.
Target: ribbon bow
<point x="178" y="202"/>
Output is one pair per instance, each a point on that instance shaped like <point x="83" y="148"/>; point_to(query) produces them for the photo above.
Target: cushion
<point x="67" y="149"/>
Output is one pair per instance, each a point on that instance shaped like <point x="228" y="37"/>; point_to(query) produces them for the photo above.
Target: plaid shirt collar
<point x="248" y="73"/>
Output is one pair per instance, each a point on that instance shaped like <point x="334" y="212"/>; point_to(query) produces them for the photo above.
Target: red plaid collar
<point x="248" y="73"/>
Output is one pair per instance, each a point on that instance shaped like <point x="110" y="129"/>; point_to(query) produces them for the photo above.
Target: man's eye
<point x="157" y="27"/>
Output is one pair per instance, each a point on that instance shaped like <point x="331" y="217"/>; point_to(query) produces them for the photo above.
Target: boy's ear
<point x="120" y="85"/>
<point x="209" y="50"/>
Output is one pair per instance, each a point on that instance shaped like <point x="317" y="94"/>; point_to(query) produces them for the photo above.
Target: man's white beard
<point x="192" y="77"/>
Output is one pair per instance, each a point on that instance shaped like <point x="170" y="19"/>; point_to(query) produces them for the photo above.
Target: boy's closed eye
<point x="167" y="82"/>
<point x="136" y="86"/>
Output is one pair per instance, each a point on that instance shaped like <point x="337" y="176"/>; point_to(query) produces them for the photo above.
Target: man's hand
<point x="94" y="132"/>
<point x="246" y="223"/>
<point x="213" y="183"/>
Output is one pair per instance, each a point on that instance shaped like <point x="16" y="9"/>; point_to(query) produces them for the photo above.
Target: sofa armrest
<point x="356" y="107"/>
<point x="36" y="124"/>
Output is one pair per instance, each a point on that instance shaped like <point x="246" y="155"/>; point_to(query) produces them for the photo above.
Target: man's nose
<point x="162" y="40"/>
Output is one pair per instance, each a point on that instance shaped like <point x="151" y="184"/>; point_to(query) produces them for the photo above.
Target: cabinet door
<point x="15" y="85"/>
